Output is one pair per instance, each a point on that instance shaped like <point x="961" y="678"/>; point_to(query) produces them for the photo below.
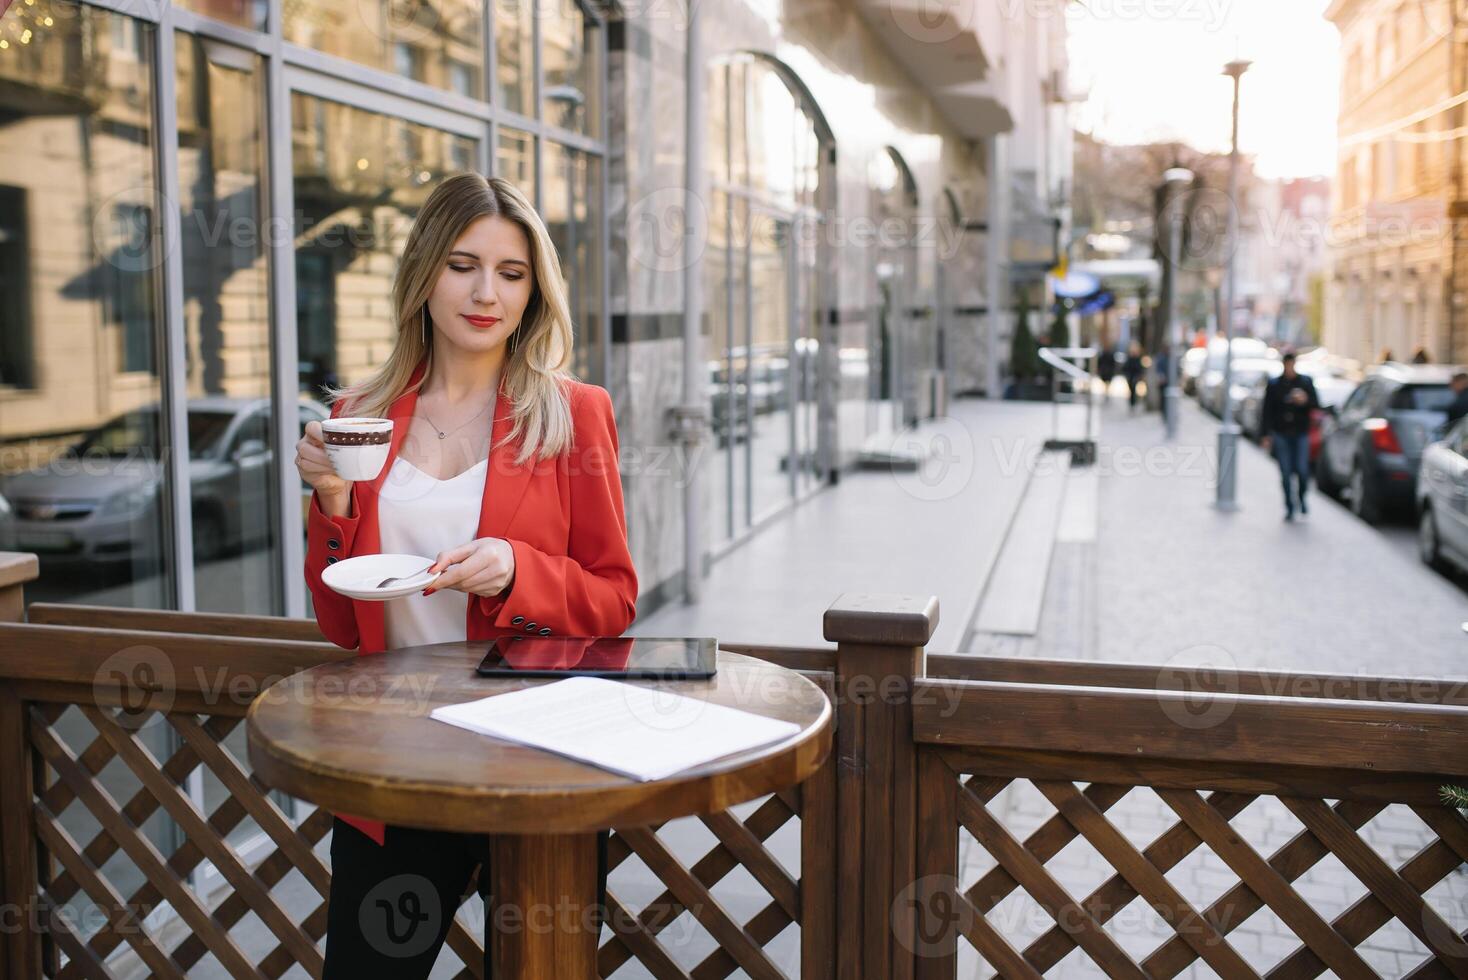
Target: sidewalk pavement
<point x="932" y="532"/>
<point x="1169" y="580"/>
<point x="1176" y="577"/>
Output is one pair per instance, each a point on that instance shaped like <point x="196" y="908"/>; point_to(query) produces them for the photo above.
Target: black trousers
<point x="391" y="906"/>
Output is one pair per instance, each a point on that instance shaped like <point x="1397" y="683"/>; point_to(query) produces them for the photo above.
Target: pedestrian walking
<point x="1459" y="406"/>
<point x="1132" y="371"/>
<point x="1288" y="402"/>
<point x="1106" y="370"/>
<point x="1161" y="365"/>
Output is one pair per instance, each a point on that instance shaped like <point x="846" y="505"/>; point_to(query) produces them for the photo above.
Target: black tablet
<point x="618" y="656"/>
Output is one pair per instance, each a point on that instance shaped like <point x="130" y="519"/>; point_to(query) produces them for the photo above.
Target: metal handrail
<point x="1061" y="359"/>
<point x="1056" y="357"/>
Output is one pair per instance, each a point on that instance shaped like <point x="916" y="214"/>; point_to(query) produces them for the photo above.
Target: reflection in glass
<point x="726" y="420"/>
<point x="221" y="125"/>
<point x="771" y="135"/>
<point x="80" y="444"/>
<point x="360" y="177"/>
<point x="515" y="160"/>
<point x="568" y="54"/>
<point x="514" y="44"/>
<point x="241" y="13"/>
<point x="569" y="204"/>
<point x="762" y="282"/>
<point x="736" y="362"/>
<point x="79" y="310"/>
<point x="768" y="376"/>
<point x="438" y="44"/>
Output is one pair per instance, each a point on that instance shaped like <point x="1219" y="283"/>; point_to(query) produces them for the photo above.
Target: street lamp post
<point x="1180" y="177"/>
<point x="1228" y="432"/>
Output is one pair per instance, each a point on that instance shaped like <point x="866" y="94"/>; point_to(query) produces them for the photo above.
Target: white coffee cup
<point x="357" y="447"/>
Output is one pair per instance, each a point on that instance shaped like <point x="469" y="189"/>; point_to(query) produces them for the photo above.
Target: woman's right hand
<point x="315" y="468"/>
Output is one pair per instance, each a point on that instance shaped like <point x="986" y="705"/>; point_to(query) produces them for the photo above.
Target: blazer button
<point x="333" y="544"/>
<point x="529" y="627"/>
<point x="332" y="559"/>
<point x="518" y="620"/>
<point x="545" y="631"/>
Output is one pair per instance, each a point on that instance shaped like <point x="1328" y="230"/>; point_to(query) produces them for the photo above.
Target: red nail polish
<point x="429" y="591"/>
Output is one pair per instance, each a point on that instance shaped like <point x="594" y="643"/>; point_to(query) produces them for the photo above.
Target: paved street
<point x="1174" y="582"/>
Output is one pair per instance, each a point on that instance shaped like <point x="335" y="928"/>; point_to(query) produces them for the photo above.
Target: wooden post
<point x="16" y="569"/>
<point x="20" y="944"/>
<point x="879" y="650"/>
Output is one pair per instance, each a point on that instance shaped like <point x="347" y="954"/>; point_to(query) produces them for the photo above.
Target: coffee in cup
<point x="357" y="447"/>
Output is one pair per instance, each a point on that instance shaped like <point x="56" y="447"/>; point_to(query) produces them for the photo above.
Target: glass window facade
<point x="515" y="159"/>
<point x="570" y="53"/>
<point x="762" y="293"/>
<point x="359" y="179"/>
<point x="514" y="48"/>
<point x="318" y="188"/>
<point x="438" y="44"/>
<point x="81" y="445"/>
<point x="226" y="284"/>
<point x="572" y="179"/>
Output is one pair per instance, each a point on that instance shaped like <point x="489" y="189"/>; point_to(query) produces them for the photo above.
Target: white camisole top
<point x="421" y="515"/>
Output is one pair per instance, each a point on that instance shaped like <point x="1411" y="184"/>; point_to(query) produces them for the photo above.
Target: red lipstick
<point x="482" y="322"/>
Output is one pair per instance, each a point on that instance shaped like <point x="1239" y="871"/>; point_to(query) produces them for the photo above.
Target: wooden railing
<point x="908" y="854"/>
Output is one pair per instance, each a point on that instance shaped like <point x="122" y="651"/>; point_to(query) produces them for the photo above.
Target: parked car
<point x="1374" y="447"/>
<point x="1210" y="376"/>
<point x="1243" y="374"/>
<point x="7" y="525"/>
<point x="1190" y="367"/>
<point x="1442" y="500"/>
<point x="89" y="504"/>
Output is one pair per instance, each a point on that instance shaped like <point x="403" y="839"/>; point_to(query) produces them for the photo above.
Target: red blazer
<point x="572" y="577"/>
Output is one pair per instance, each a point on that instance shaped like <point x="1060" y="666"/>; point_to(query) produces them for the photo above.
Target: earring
<point x="425" y="328"/>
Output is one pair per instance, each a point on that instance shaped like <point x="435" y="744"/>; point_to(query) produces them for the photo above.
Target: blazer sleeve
<point x="591" y="590"/>
<point x="329" y="539"/>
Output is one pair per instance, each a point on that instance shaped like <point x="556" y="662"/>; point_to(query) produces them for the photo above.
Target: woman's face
<point x="483" y="288"/>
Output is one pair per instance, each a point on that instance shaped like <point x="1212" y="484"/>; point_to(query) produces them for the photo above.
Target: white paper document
<point x="640" y="732"/>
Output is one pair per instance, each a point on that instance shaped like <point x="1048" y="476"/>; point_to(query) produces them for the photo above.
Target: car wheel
<point x="1363" y="497"/>
<point x="1428" y="545"/>
<point x="1323" y="479"/>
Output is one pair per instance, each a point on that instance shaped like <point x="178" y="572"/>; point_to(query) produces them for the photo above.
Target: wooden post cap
<point x="18" y="567"/>
<point x="884" y="618"/>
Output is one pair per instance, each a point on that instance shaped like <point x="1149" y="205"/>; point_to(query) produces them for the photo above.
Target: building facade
<point x="204" y="202"/>
<point x="1394" y="259"/>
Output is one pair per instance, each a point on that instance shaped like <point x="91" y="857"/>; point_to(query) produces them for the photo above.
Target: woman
<point x="505" y="470"/>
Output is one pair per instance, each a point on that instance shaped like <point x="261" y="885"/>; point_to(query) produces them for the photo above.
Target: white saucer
<point x="357" y="578"/>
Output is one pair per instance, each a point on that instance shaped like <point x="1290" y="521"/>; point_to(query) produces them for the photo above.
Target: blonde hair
<point x="539" y="350"/>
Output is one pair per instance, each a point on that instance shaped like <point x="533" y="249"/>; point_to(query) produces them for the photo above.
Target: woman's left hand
<point x="484" y="567"/>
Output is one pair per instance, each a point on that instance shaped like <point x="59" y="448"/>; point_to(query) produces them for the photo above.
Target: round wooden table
<point x="355" y="737"/>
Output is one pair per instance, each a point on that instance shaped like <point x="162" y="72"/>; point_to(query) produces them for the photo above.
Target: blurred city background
<point x="886" y="293"/>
